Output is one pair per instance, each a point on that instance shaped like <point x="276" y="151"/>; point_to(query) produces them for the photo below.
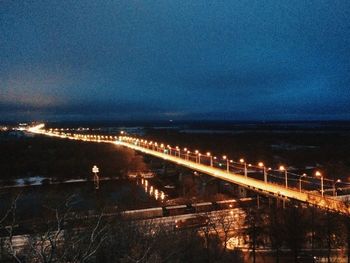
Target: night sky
<point x="180" y="60"/>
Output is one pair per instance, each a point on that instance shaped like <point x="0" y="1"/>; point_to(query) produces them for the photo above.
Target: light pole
<point x="177" y="149"/>
<point x="95" y="170"/>
<point x="199" y="156"/>
<point x="318" y="174"/>
<point x="227" y="163"/>
<point x="169" y="147"/>
<point x="261" y="165"/>
<point x="334" y="186"/>
<point x="283" y="169"/>
<point x="245" y="166"/>
<point x="301" y="176"/>
<point x="211" y="159"/>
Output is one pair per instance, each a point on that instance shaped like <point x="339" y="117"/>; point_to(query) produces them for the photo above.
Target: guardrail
<point x="324" y="202"/>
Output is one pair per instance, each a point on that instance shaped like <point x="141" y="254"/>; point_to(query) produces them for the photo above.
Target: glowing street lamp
<point x="211" y="159"/>
<point x="227" y="163"/>
<point x="334" y="186"/>
<point x="199" y="156"/>
<point x="169" y="147"/>
<point x="95" y="171"/>
<point x="318" y="174"/>
<point x="261" y="165"/>
<point x="301" y="176"/>
<point x="186" y="153"/>
<point x="283" y="169"/>
<point x="151" y="143"/>
<point x="245" y="166"/>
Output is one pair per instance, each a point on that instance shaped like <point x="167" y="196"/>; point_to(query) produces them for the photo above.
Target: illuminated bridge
<point x="290" y="186"/>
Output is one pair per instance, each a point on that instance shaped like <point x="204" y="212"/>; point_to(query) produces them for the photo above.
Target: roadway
<point x="264" y="187"/>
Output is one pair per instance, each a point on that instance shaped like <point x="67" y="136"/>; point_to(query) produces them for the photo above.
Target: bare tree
<point x="295" y="229"/>
<point x="275" y="230"/>
<point x="7" y="223"/>
<point x="331" y="233"/>
<point x="254" y="228"/>
<point x="58" y="237"/>
<point x="219" y="228"/>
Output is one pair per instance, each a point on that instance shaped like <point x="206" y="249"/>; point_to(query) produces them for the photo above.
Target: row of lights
<point x="261" y="165"/>
<point x="152" y="191"/>
<point x="198" y="155"/>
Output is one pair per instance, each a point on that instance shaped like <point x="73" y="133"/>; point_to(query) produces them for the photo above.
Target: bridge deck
<point x="247" y="182"/>
<point x="324" y="202"/>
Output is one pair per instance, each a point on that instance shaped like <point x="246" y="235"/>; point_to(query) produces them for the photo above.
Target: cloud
<point x="159" y="59"/>
<point x="93" y="110"/>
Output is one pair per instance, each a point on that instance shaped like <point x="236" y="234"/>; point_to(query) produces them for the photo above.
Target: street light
<point x="227" y="163"/>
<point x="199" y="156"/>
<point x="283" y="169"/>
<point x="169" y="147"/>
<point x="211" y="159"/>
<point x="301" y="176"/>
<point x="96" y="170"/>
<point x="261" y="165"/>
<point x="245" y="167"/>
<point x="334" y="186"/>
<point x="318" y="174"/>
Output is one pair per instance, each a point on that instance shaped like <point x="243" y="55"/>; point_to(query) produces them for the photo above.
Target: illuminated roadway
<point x="267" y="188"/>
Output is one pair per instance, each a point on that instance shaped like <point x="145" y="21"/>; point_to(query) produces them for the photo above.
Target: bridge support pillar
<point x="180" y="177"/>
<point x="218" y="185"/>
<point x="203" y="188"/>
<point x="241" y="192"/>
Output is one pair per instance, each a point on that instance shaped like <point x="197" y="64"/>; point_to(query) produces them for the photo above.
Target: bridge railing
<point x="313" y="198"/>
<point x="212" y="162"/>
<point x="230" y="165"/>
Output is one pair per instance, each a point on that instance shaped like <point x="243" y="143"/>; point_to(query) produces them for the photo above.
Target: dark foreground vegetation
<point x="270" y="233"/>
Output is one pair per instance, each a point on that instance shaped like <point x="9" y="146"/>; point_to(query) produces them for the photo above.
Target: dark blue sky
<point x="166" y="59"/>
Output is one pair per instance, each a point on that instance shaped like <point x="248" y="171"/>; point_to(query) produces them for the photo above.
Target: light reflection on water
<point x="152" y="191"/>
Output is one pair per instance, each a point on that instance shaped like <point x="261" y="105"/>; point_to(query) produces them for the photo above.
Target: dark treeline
<point x="62" y="236"/>
<point x="62" y="159"/>
<point x="270" y="232"/>
<point x="297" y="228"/>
